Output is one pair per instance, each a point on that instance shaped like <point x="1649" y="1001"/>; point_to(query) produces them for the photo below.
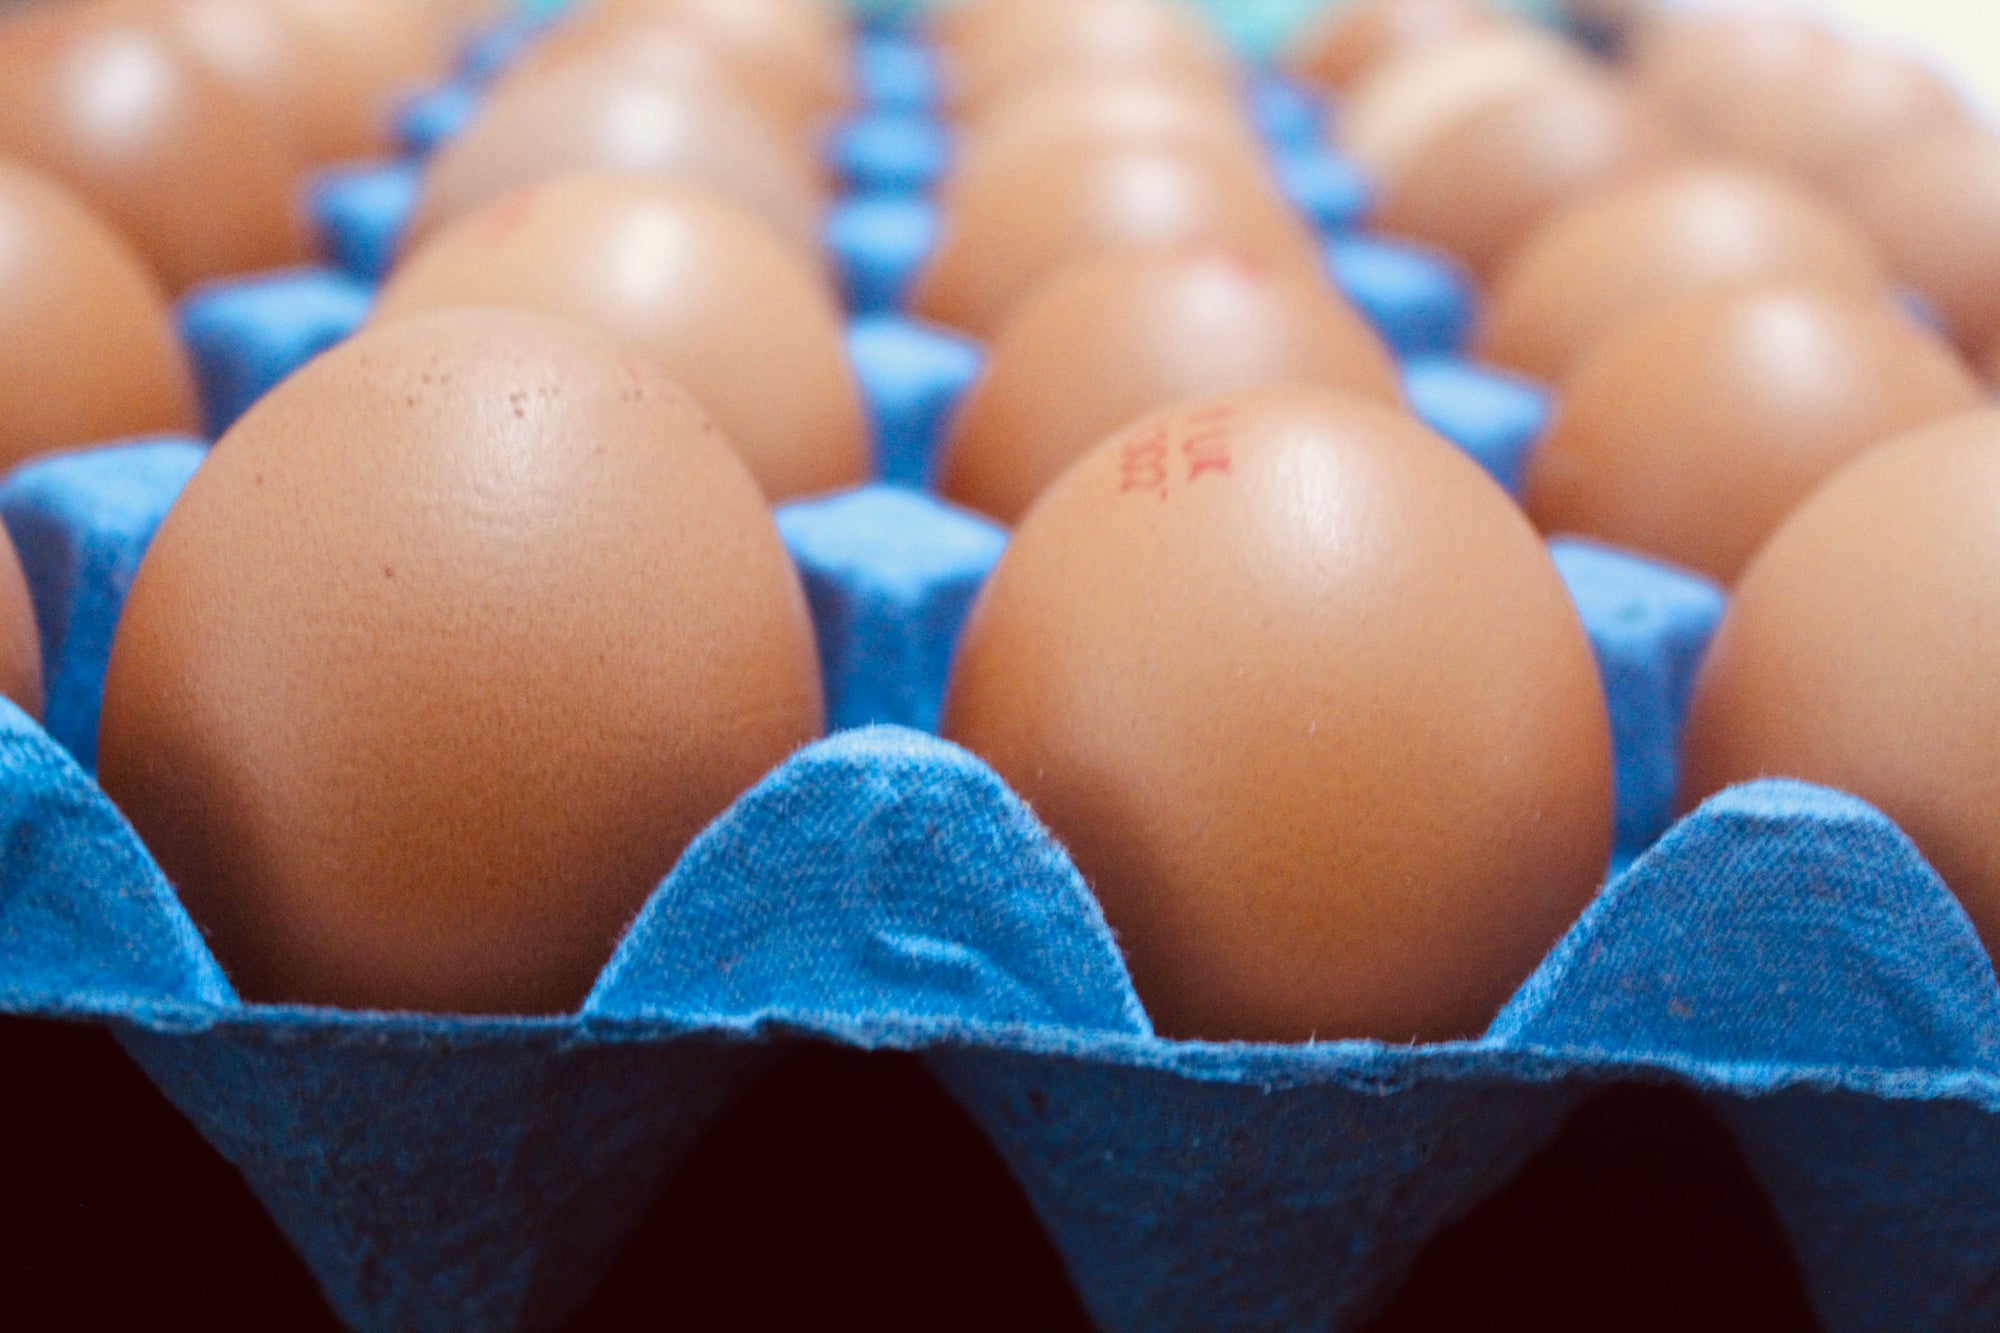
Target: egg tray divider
<point x="1783" y="950"/>
<point x="885" y="890"/>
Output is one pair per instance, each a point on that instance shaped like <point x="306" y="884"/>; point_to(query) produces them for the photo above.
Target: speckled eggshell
<point x="183" y="167"/>
<point x="1784" y="92"/>
<point x="1110" y="339"/>
<point x="1692" y="432"/>
<point x="1301" y="692"/>
<point x="20" y="640"/>
<point x="1004" y="232"/>
<point x="1482" y="183"/>
<point x="1614" y="255"/>
<point x="600" y="115"/>
<point x="448" y="649"/>
<point x="88" y="349"/>
<point x="1346" y="42"/>
<point x="1858" y="653"/>
<point x="1934" y="207"/>
<point x="731" y="310"/>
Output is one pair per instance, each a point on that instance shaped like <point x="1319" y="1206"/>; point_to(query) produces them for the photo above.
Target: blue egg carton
<point x="1783" y="950"/>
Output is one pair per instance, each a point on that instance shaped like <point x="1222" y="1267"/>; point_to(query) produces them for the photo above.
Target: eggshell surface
<point x="1064" y="110"/>
<point x="1111" y="339"/>
<point x="1003" y="232"/>
<point x="729" y="309"/>
<point x="1106" y="37"/>
<point x="20" y="640"/>
<point x="1858" y="653"/>
<point x="1614" y="255"/>
<point x="88" y="349"/>
<point x="1934" y="208"/>
<point x="1693" y="432"/>
<point x="1479" y="186"/>
<point x="1346" y="42"/>
<point x="593" y="115"/>
<point x="184" y="168"/>
<point x="1304" y="697"/>
<point x="448" y="649"/>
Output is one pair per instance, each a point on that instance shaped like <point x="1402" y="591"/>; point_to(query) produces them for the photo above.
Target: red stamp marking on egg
<point x="1206" y="447"/>
<point x="1142" y="464"/>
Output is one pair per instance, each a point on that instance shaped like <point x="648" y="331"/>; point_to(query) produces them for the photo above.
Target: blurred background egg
<point x="1934" y="208"/>
<point x="1692" y="432"/>
<point x="329" y="73"/>
<point x="1858" y="652"/>
<point x="1784" y="92"/>
<point x="728" y="307"/>
<point x="20" y="641"/>
<point x="448" y="649"/>
<point x="1616" y="254"/>
<point x="1113" y="338"/>
<point x="1103" y="37"/>
<point x="1348" y="41"/>
<point x="1004" y="231"/>
<point x="1303" y="695"/>
<point x="1481" y="183"/>
<point x="1068" y="109"/>
<point x="600" y="115"/>
<point x="186" y="169"/>
<point x="88" y="348"/>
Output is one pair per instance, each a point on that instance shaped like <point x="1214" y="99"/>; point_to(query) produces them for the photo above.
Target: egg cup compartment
<point x="358" y="213"/>
<point x="884" y="889"/>
<point x="246" y="334"/>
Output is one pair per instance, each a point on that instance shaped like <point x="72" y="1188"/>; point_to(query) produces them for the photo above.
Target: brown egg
<point x="88" y="348"/>
<point x="729" y="308"/>
<point x="809" y="42"/>
<point x="1112" y="338"/>
<point x="1104" y="108"/>
<point x="328" y="72"/>
<point x="1858" y="653"/>
<point x="1406" y="102"/>
<point x="1934" y="207"/>
<point x="1483" y="182"/>
<point x="446" y="652"/>
<point x="671" y="49"/>
<point x="1304" y="697"/>
<point x="1691" y="433"/>
<point x="1105" y="37"/>
<point x="1003" y="232"/>
<point x="20" y="640"/>
<point x="1347" y="42"/>
<point x="187" y="170"/>
<point x="1617" y="254"/>
<point x="1786" y="93"/>
<point x="593" y="115"/>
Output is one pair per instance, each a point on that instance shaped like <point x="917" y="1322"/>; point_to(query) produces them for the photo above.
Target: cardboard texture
<point x="1785" y="950"/>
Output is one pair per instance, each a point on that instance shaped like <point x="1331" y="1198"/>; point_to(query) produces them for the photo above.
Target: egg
<point x="88" y="348"/>
<point x="1113" y="338"/>
<point x="1691" y="433"/>
<point x="1403" y="104"/>
<point x="20" y="641"/>
<point x="1105" y="37"/>
<point x="329" y="72"/>
<point x="1934" y="208"/>
<point x="733" y="312"/>
<point x="1305" y="699"/>
<point x="1004" y="231"/>
<point x="664" y="47"/>
<point x="1106" y="109"/>
<point x="808" y="42"/>
<point x="1346" y="42"/>
<point x="1784" y="92"/>
<point x="1480" y="184"/>
<point x="595" y="115"/>
<point x="184" y="168"/>
<point x="1616" y="254"/>
<point x="448" y="649"/>
<point x="1858" y="653"/>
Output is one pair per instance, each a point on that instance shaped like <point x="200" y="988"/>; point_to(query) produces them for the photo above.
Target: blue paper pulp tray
<point x="1784" y="949"/>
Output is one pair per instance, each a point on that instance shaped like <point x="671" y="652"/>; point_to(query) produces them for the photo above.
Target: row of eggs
<point x="1294" y="682"/>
